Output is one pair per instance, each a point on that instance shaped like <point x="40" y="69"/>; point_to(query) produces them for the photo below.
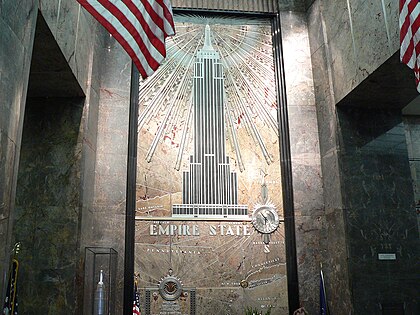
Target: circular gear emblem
<point x="265" y="218"/>
<point x="170" y="288"/>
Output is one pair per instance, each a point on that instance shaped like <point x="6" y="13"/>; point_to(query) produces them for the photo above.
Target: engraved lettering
<point x="163" y="231"/>
<point x="212" y="230"/>
<point x="186" y="230"/>
<point x="153" y="229"/>
<point x="229" y="230"/>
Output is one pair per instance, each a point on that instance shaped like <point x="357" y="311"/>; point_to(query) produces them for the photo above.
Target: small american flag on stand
<point x="136" y="300"/>
<point x="410" y="36"/>
<point x="140" y="26"/>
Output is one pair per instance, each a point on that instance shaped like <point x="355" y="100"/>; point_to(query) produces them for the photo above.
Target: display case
<point x="100" y="280"/>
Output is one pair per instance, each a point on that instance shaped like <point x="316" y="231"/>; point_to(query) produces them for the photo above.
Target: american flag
<point x="136" y="301"/>
<point x="410" y="36"/>
<point x="10" y="302"/>
<point x="140" y="26"/>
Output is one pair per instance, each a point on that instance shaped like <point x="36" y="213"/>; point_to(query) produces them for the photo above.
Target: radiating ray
<point x="182" y="87"/>
<point x="234" y="138"/>
<point x="248" y="120"/>
<point x="163" y="91"/>
<point x="184" y="136"/>
<point x="246" y="58"/>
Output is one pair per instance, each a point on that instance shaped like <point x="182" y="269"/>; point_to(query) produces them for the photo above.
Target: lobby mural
<point x="209" y="232"/>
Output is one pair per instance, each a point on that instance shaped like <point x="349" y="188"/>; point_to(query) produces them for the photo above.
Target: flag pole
<point x="323" y="295"/>
<point x="131" y="192"/>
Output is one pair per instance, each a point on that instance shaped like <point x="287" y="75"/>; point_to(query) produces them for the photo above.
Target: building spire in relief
<point x="207" y="39"/>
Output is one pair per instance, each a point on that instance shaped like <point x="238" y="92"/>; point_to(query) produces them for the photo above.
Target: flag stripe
<point x="410" y="36"/>
<point x="124" y="23"/>
<point x="102" y="18"/>
<point x="169" y="22"/>
<point x="148" y="23"/>
<point x="140" y="26"/>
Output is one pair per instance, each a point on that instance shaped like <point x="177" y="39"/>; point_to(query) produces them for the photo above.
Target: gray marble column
<point x="306" y="164"/>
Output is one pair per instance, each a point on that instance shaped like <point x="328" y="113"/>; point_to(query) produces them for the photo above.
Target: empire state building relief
<point x="209" y="202"/>
<point x="209" y="188"/>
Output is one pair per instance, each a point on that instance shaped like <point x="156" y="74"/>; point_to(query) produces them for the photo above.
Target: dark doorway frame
<point x="285" y="166"/>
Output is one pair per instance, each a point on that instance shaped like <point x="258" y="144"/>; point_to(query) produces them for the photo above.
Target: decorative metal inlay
<point x="192" y="302"/>
<point x="147" y="304"/>
<point x="265" y="218"/>
<point x="170" y="287"/>
<point x="245" y="51"/>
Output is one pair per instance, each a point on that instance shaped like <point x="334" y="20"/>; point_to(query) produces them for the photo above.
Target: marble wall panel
<point x="4" y="252"/>
<point x="67" y="22"/>
<point x="297" y="61"/>
<point x="333" y="252"/>
<point x="111" y="142"/>
<point x="412" y="133"/>
<point x="392" y="22"/>
<point x="17" y="20"/>
<point x="344" y="67"/>
<point x="305" y="153"/>
<point x="105" y="221"/>
<point x="84" y="48"/>
<point x="307" y="187"/>
<point x="50" y="11"/>
<point x="315" y="26"/>
<point x="336" y="18"/>
<point x="11" y="87"/>
<point x="7" y="162"/>
<point x="91" y="117"/>
<point x="308" y="229"/>
<point x="303" y="126"/>
<point x="110" y="189"/>
<point x="19" y="15"/>
<point x="370" y="36"/>
<point x="337" y="30"/>
<point x="74" y="30"/>
<point x="360" y="36"/>
<point x="381" y="216"/>
<point x="88" y="164"/>
<point x="333" y="198"/>
<point x="48" y="205"/>
<point x="324" y="98"/>
<point x="370" y="303"/>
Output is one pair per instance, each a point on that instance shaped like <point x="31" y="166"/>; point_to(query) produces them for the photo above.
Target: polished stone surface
<point x="105" y="220"/>
<point x="305" y="153"/>
<point x="47" y="205"/>
<point x="328" y="21"/>
<point x="358" y="37"/>
<point x="50" y="74"/>
<point x="17" y="21"/>
<point x="337" y="179"/>
<point x="381" y="215"/>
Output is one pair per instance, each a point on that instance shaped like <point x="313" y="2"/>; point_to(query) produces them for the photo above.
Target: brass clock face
<point x="265" y="219"/>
